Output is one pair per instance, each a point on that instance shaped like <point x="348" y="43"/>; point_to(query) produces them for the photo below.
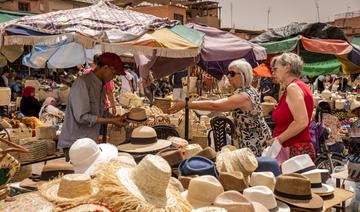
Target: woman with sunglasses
<point x="293" y="114"/>
<point x="251" y="129"/>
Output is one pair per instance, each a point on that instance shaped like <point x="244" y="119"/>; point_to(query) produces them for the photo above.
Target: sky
<point x="253" y="14"/>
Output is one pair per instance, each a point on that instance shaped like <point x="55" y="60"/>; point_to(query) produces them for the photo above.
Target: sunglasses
<point x="232" y="73"/>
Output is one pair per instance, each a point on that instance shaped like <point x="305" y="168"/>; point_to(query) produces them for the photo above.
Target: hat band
<point x="274" y="209"/>
<point x="150" y="140"/>
<point x="316" y="185"/>
<point x="305" y="169"/>
<point x="292" y="196"/>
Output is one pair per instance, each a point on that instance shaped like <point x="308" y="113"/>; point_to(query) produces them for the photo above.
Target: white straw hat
<point x="301" y="164"/>
<point x="317" y="187"/>
<point x="192" y="150"/>
<point x="264" y="179"/>
<point x="85" y="155"/>
<point x="266" y="197"/>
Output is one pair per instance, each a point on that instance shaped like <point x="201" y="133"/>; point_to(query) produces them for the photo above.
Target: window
<point x="179" y="18"/>
<point x="23" y="6"/>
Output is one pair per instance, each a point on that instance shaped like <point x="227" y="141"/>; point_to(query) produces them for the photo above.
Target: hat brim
<point x="195" y="203"/>
<point x="325" y="190"/>
<point x="314" y="171"/>
<point x="282" y="207"/>
<point x="136" y="120"/>
<point x="316" y="202"/>
<point x="259" y="207"/>
<point x="143" y="148"/>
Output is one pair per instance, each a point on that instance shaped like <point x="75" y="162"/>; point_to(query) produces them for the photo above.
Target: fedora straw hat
<point x="301" y="164"/>
<point x="137" y="115"/>
<point x="233" y="181"/>
<point x="172" y="155"/>
<point x="202" y="191"/>
<point x="123" y="160"/>
<point x="145" y="187"/>
<point x="208" y="153"/>
<point x="295" y="190"/>
<point x="263" y="179"/>
<point x="267" y="164"/>
<point x="197" y="165"/>
<point x="88" y="206"/>
<point x="234" y="201"/>
<point x="210" y="209"/>
<point x="178" y="142"/>
<point x="317" y="187"/>
<point x="144" y="139"/>
<point x="185" y="180"/>
<point x="69" y="188"/>
<point x="266" y="197"/>
<point x="192" y="150"/>
<point x="85" y="155"/>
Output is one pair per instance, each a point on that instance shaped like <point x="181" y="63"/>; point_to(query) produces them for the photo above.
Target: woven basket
<point x="37" y="151"/>
<point x="19" y="133"/>
<point x="46" y="132"/>
<point x="50" y="147"/>
<point x="5" y="96"/>
<point x="162" y="103"/>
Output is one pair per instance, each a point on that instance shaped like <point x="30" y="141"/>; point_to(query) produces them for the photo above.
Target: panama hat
<point x="69" y="188"/>
<point x="145" y="187"/>
<point x="233" y="181"/>
<point x="178" y="142"/>
<point x="192" y="150"/>
<point x="137" y="115"/>
<point x="144" y="139"/>
<point x="266" y="197"/>
<point x="295" y="190"/>
<point x="210" y="209"/>
<point x="317" y="187"/>
<point x="208" y="153"/>
<point x="267" y="164"/>
<point x="301" y="164"/>
<point x="234" y="201"/>
<point x="185" y="180"/>
<point x="85" y="155"/>
<point x="172" y="155"/>
<point x="263" y="179"/>
<point x="123" y="159"/>
<point x="197" y="165"/>
<point x="203" y="191"/>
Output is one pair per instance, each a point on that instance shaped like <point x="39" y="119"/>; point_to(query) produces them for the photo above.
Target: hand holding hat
<point x="120" y="121"/>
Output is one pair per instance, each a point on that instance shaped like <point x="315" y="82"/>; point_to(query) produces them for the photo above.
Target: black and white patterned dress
<point x="251" y="129"/>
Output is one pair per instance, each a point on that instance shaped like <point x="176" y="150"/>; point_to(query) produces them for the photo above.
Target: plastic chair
<point x="219" y="127"/>
<point x="164" y="131"/>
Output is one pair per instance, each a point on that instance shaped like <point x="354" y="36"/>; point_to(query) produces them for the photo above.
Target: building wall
<point x="166" y="11"/>
<point x="55" y="5"/>
<point x="350" y="26"/>
<point x="208" y="20"/>
<point x="36" y="6"/>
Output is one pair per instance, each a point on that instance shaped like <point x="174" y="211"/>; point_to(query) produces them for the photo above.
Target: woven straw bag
<point x="46" y="132"/>
<point x="37" y="151"/>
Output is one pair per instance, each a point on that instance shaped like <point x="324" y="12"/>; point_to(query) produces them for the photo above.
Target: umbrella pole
<point x="187" y="108"/>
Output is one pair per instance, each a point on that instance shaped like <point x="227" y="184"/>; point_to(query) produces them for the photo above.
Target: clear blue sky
<point x="252" y="14"/>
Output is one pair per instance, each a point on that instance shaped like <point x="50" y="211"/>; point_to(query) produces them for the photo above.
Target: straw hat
<point x="137" y="115"/>
<point x="233" y="181"/>
<point x="242" y="160"/>
<point x="185" y="180"/>
<point x="263" y="179"/>
<point x="301" y="164"/>
<point x="265" y="196"/>
<point x="178" y="142"/>
<point x="85" y="155"/>
<point x="317" y="187"/>
<point x="197" y="165"/>
<point x="208" y="153"/>
<point x="144" y="139"/>
<point x="295" y="190"/>
<point x="192" y="150"/>
<point x="143" y="188"/>
<point x="233" y="201"/>
<point x="172" y="155"/>
<point x="89" y="206"/>
<point x="123" y="160"/>
<point x="69" y="188"/>
<point x="177" y="184"/>
<point x="202" y="191"/>
<point x="228" y="148"/>
<point x="267" y="164"/>
<point x="210" y="209"/>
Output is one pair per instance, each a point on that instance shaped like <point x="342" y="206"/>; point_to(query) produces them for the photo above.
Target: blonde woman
<point x="251" y="129"/>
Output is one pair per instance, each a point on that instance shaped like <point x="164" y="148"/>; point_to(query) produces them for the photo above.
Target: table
<point x="343" y="175"/>
<point x="340" y="196"/>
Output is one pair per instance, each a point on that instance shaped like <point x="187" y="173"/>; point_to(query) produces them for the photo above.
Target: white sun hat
<point x="301" y="164"/>
<point x="85" y="155"/>
<point x="264" y="179"/>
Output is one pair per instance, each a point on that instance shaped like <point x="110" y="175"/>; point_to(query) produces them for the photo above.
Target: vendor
<point x="85" y="110"/>
<point x="49" y="114"/>
<point x="29" y="105"/>
<point x="251" y="129"/>
<point x="293" y="114"/>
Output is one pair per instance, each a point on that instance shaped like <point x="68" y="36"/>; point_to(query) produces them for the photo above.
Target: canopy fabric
<point x="6" y="15"/>
<point x="348" y="67"/>
<point x="275" y="47"/>
<point x="326" y="46"/>
<point x="322" y="68"/>
<point x="10" y="53"/>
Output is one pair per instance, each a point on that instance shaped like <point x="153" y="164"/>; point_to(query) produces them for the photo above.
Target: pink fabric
<point x="283" y="155"/>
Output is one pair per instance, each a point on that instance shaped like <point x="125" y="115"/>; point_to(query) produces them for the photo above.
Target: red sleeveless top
<point x="282" y="116"/>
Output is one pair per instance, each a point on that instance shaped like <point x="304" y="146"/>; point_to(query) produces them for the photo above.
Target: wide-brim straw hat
<point x="233" y="181"/>
<point x="51" y="189"/>
<point x="30" y="201"/>
<point x="137" y="115"/>
<point x="89" y="206"/>
<point x="318" y="187"/>
<point x="172" y="155"/>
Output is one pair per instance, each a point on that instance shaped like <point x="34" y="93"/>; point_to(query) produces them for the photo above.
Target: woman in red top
<point x="293" y="113"/>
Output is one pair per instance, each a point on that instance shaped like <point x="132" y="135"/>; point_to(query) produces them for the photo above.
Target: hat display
<point x="233" y="201"/>
<point x="210" y="209"/>
<point x="301" y="164"/>
<point x="202" y="191"/>
<point x="300" y="195"/>
<point x="144" y="139"/>
<point x="172" y="155"/>
<point x="197" y="165"/>
<point x="242" y="160"/>
<point x="266" y="197"/>
<point x="267" y="164"/>
<point x="123" y="160"/>
<point x="89" y="206"/>
<point x="354" y="170"/>
<point x="85" y="155"/>
<point x="192" y="150"/>
<point x="145" y="187"/>
<point x="233" y="181"/>
<point x="208" y="153"/>
<point x="137" y="115"/>
<point x="317" y="187"/>
<point x="69" y="188"/>
<point x="113" y="60"/>
<point x="263" y="179"/>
